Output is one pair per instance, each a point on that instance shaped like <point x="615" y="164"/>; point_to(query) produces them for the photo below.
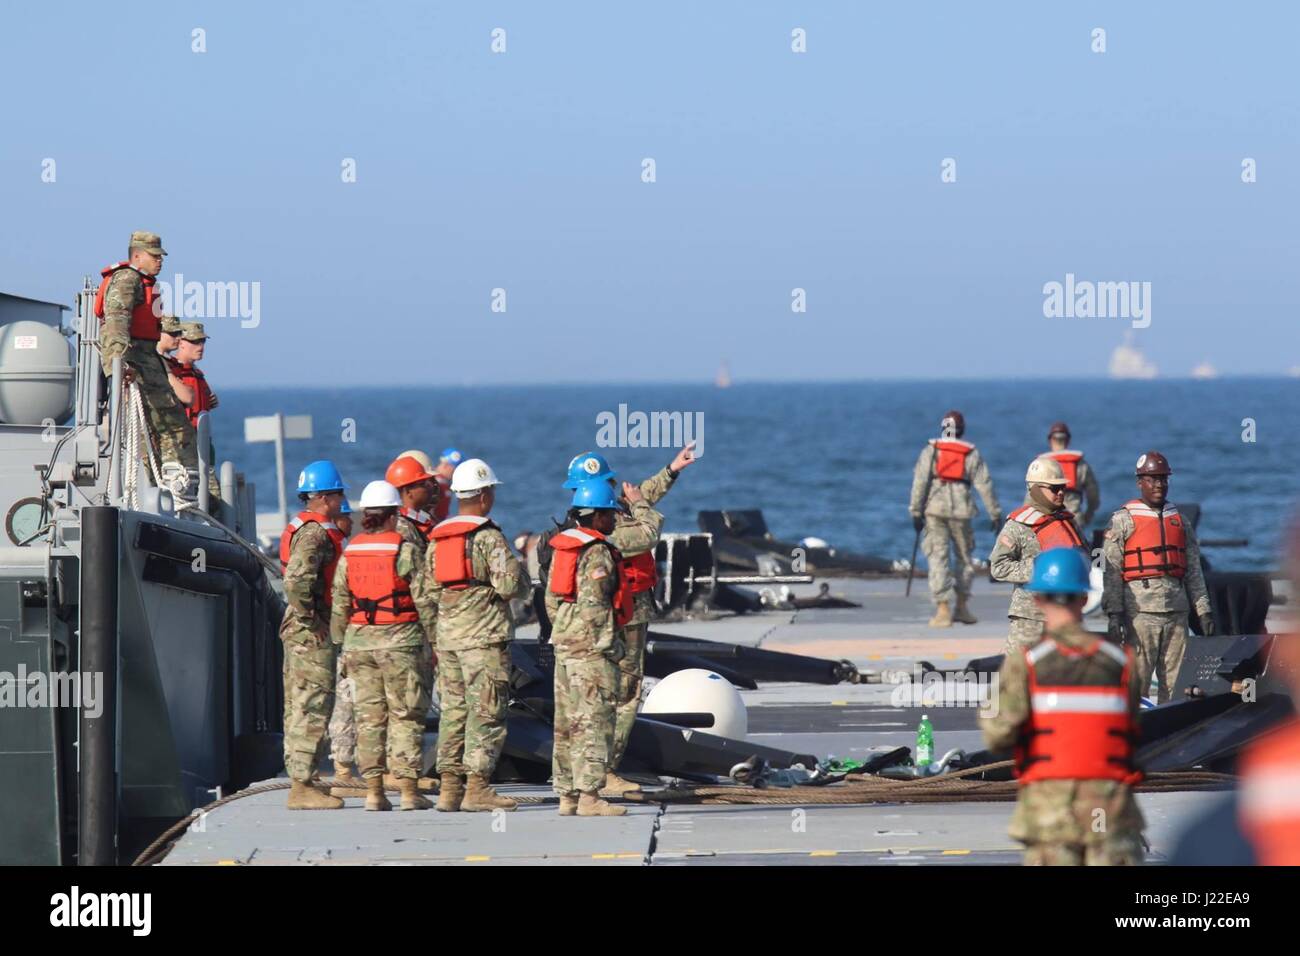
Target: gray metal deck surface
<point x="888" y="632"/>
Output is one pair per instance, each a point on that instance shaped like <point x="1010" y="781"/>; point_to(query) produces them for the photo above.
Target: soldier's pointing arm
<point x="657" y="485"/>
<point x="641" y="534"/>
<point x="1003" y="727"/>
<point x="1112" y="595"/>
<point x="119" y="300"/>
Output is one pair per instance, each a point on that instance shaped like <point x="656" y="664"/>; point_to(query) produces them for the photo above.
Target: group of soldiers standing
<point x="159" y="354"/>
<point x="420" y="591"/>
<point x="1151" y="561"/>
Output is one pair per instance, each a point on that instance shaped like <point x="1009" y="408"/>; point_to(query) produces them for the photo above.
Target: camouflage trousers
<point x="343" y="722"/>
<point x="392" y="704"/>
<point x="308" y="700"/>
<point x="1159" y="642"/>
<point x="943" y="538"/>
<point x="172" y="435"/>
<point x="1122" y="849"/>
<point x="631" y="672"/>
<point x="1024" y="633"/>
<point x="473" y="696"/>
<point x="585" y="693"/>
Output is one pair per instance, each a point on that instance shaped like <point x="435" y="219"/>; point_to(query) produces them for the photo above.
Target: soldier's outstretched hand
<point x="631" y="492"/>
<point x="684" y="457"/>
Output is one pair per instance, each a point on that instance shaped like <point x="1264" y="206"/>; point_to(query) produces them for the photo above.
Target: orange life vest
<point x="1054" y="530"/>
<point x="335" y="535"/>
<point x="422" y="520"/>
<point x="1158" y="545"/>
<point x="443" y="507"/>
<point x="640" y="573"/>
<point x="144" y="323"/>
<point x="452" y="554"/>
<point x="1069" y="461"/>
<point x="1269" y="797"/>
<point x="379" y="594"/>
<point x="568" y="546"/>
<point x="950" y="458"/>
<point x="1077" y="731"/>
<point x="195" y="379"/>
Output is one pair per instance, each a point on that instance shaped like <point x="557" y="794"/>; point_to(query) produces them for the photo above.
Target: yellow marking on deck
<point x="875" y="657"/>
<point x="603" y="856"/>
<point x="824" y="853"/>
<point x="476" y="859"/>
<point x="839" y="703"/>
<point x="630" y="856"/>
<point x="956" y="852"/>
<point x="949" y="657"/>
<point x="227" y="863"/>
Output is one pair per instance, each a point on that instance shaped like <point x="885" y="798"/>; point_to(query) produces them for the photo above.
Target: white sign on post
<point x="276" y="428"/>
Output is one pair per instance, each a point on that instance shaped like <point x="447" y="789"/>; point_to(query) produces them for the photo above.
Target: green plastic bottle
<point x="924" y="745"/>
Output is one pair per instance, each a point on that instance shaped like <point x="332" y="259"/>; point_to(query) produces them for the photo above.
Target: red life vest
<point x="336" y="538"/>
<point x="379" y="594"/>
<point x="568" y="546"/>
<point x="1158" y="545"/>
<point x="422" y="520"/>
<point x="1077" y="731"/>
<point x="195" y="379"/>
<point x="1054" y="530"/>
<point x="950" y="458"/>
<point x="1269" y="797"/>
<point x="1069" y="461"/>
<point x="640" y="573"/>
<point x="443" y="507"/>
<point x="452" y="554"/>
<point x="144" y="323"/>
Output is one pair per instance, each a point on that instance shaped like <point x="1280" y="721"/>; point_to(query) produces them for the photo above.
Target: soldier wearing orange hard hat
<point x="415" y="482"/>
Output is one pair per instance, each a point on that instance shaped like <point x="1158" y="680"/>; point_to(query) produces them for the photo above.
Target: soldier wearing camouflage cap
<point x="128" y="306"/>
<point x="942" y="504"/>
<point x="1153" y="576"/>
<point x="1039" y="525"/>
<point x="198" y="396"/>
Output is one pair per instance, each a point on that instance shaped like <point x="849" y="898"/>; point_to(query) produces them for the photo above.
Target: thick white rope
<point x="170" y="475"/>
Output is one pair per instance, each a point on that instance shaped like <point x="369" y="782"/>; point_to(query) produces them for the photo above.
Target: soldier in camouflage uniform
<point x="415" y="483"/>
<point x="343" y="723"/>
<point x="942" y="504"/>
<point x="309" y="663"/>
<point x="583" y="587"/>
<point x="129" y="310"/>
<point x="1084" y="484"/>
<point x="1041" y="523"/>
<point x="472" y="574"/>
<point x="632" y="538"/>
<point x="1062" y="818"/>
<point x="380" y="613"/>
<point x="1150" y="580"/>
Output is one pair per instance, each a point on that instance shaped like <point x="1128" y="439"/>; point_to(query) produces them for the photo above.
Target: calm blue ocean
<point x="832" y="460"/>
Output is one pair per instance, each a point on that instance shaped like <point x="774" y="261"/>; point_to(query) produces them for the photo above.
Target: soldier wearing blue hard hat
<point x="1067" y="708"/>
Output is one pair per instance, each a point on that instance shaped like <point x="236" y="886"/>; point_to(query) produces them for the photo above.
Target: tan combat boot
<point x="569" y="804"/>
<point x="616" y="786"/>
<point x="375" y="798"/>
<point x="450" y="792"/>
<point x="942" y="616"/>
<point x="411" y="798"/>
<point x="590" y="805"/>
<point x="479" y="795"/>
<point x="344" y="775"/>
<point x="963" y="615"/>
<point x="303" y="796"/>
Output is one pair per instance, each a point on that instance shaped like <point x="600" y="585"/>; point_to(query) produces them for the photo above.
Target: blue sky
<point x="775" y="170"/>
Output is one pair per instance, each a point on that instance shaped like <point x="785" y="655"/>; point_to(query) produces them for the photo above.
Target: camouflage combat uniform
<point x="308" y="651"/>
<point x="1012" y="559"/>
<point x="1059" y="820"/>
<point x="411" y="532"/>
<point x="948" y="509"/>
<point x="474" y="631"/>
<point x="632" y="536"/>
<point x="343" y="720"/>
<point x="587" y="649"/>
<point x="172" y="435"/>
<point x="1155" y="609"/>
<point x="392" y="700"/>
